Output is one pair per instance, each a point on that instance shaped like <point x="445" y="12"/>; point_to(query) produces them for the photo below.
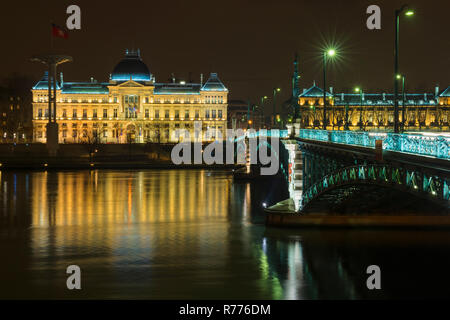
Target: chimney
<point x="61" y="79"/>
<point x="384" y="96"/>
<point x="331" y="90"/>
<point x="342" y="96"/>
<point x="436" y="91"/>
<point x="201" y="79"/>
<point x="363" y="95"/>
<point x="304" y="90"/>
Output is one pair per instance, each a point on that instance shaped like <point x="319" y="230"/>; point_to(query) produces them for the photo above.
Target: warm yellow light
<point x="357" y="89"/>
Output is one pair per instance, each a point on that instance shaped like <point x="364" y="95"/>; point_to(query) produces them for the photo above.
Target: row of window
<point x="132" y="113"/>
<point x="214" y="99"/>
<point x="66" y="100"/>
<point x="135" y="99"/>
<point x="114" y="133"/>
<point x="11" y="107"/>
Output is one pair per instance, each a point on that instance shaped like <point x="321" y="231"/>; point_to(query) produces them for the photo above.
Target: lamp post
<point x="398" y="12"/>
<point x="275" y="90"/>
<point x="402" y="77"/>
<point x="262" y="109"/>
<point x="360" y="91"/>
<point x="52" y="61"/>
<point x="328" y="53"/>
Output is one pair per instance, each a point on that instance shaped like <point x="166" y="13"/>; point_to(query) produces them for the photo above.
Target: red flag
<point x="57" y="31"/>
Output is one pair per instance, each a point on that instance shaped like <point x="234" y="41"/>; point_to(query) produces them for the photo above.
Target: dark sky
<point x="250" y="44"/>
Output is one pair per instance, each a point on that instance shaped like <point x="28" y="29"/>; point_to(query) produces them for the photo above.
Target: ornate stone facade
<point x="131" y="108"/>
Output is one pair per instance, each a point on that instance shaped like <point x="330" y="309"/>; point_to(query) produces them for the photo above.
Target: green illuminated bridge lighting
<point x="424" y="144"/>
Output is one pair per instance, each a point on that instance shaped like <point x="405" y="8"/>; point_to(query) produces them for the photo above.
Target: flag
<point x="57" y="31"/>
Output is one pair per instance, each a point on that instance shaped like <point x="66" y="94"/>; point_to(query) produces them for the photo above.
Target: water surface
<point x="193" y="234"/>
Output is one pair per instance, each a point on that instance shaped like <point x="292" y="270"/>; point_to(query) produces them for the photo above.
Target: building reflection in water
<point x="175" y="234"/>
<point x="149" y="234"/>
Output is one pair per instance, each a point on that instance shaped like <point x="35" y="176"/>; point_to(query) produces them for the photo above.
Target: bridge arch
<point x="434" y="188"/>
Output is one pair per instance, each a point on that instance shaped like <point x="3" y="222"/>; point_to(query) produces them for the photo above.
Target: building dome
<point x="131" y="67"/>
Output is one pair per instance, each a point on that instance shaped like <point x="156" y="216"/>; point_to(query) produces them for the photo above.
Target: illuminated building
<point x="131" y="107"/>
<point x="371" y="111"/>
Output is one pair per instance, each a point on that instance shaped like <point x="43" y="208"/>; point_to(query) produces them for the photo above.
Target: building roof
<point x="374" y="98"/>
<point x="214" y="84"/>
<point x="85" y="88"/>
<point x="446" y="93"/>
<point x="43" y="83"/>
<point x="177" y="88"/>
<point x="314" y="92"/>
<point x="131" y="67"/>
<point x="383" y="99"/>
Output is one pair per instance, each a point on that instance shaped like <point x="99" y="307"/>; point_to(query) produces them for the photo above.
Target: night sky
<point x="250" y="44"/>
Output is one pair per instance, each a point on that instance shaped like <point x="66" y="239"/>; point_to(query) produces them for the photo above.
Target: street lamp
<point x="275" y="90"/>
<point x="262" y="109"/>
<point x="360" y="91"/>
<point x="402" y="77"/>
<point x="398" y="12"/>
<point x="328" y="53"/>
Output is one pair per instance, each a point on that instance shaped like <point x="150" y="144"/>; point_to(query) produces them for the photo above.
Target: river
<point x="193" y="234"/>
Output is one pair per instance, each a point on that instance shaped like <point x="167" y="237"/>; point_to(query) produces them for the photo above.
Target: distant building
<point x="15" y="120"/>
<point x="131" y="107"/>
<point x="243" y="115"/>
<point x="375" y="110"/>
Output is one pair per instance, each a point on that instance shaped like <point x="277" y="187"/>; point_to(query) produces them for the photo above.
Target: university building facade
<point x="131" y="108"/>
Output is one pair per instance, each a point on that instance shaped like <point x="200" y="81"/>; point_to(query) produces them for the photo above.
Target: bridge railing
<point x="428" y="145"/>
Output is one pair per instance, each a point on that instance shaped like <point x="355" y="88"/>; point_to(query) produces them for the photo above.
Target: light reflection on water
<point x="173" y="234"/>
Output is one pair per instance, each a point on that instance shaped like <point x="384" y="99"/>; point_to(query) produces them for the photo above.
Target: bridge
<point x="331" y="169"/>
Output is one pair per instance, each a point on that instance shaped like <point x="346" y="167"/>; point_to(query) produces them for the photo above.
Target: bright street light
<point x="329" y="53"/>
<point x="398" y="12"/>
